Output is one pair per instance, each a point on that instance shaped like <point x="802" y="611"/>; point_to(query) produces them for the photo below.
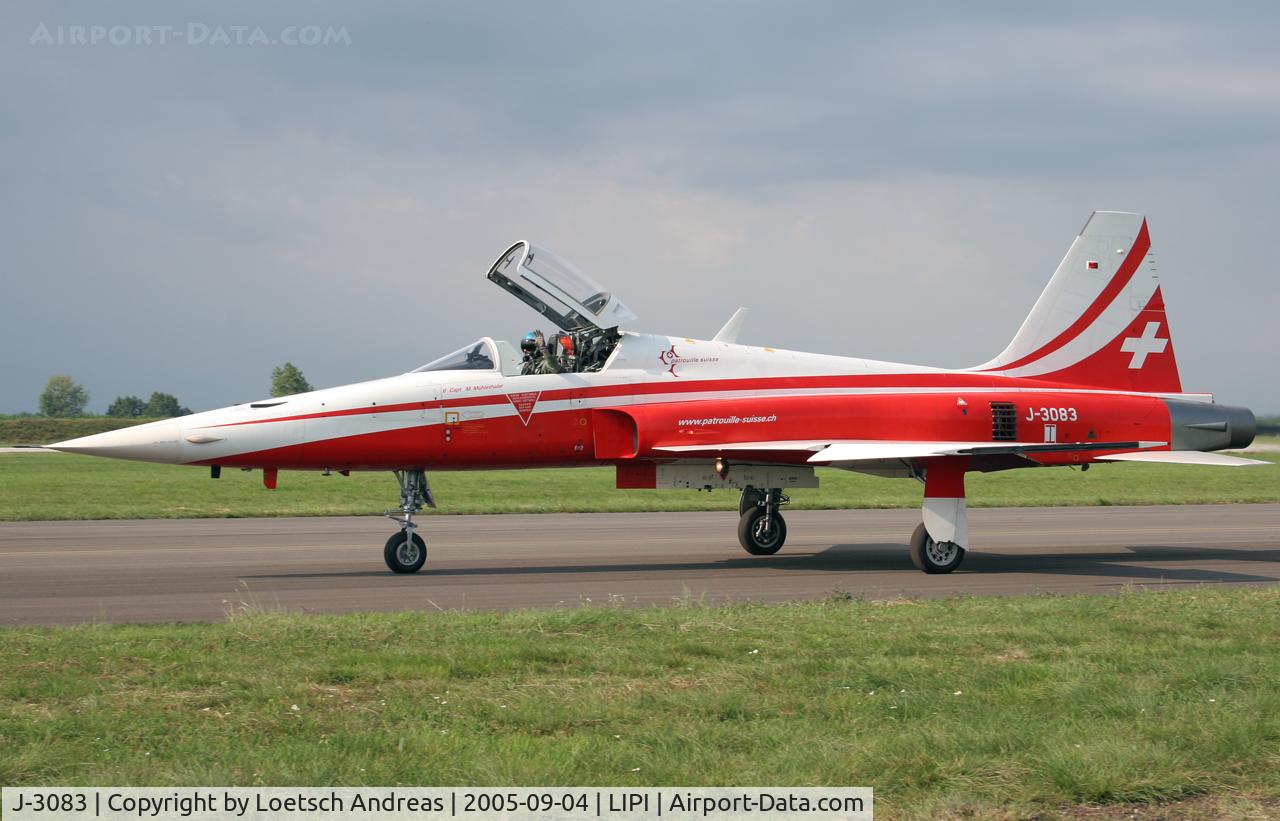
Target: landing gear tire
<point x="406" y="552"/>
<point x="761" y="534"/>
<point x="405" y="555"/>
<point x="751" y="497"/>
<point x="931" y="556"/>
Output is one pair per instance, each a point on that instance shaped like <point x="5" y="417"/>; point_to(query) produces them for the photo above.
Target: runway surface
<point x="182" y="570"/>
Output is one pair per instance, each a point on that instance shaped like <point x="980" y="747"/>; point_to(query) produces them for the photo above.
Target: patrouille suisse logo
<point x="672" y="360"/>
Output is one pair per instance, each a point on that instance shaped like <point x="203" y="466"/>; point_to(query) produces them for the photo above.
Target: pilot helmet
<point x="566" y="344"/>
<point x="530" y="343"/>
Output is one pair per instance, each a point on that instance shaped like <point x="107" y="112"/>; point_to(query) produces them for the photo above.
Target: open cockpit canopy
<point x="557" y="290"/>
<point x="588" y="314"/>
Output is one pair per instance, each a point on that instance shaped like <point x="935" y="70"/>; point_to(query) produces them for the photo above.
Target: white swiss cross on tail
<point x="1140" y="346"/>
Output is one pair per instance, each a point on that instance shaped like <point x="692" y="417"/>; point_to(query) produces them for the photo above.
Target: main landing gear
<point x="938" y="544"/>
<point x="406" y="552"/>
<point x="933" y="556"/>
<point x="761" y="528"/>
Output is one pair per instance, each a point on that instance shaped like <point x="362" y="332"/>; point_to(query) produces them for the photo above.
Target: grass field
<point x="35" y="486"/>
<point x="963" y="705"/>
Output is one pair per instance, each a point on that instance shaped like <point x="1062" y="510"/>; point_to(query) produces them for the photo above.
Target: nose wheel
<point x="406" y="551"/>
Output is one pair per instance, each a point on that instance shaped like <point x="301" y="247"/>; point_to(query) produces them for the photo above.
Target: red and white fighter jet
<point x="1089" y="377"/>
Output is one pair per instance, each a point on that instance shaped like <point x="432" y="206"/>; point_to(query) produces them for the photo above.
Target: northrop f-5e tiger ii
<point x="1089" y="377"/>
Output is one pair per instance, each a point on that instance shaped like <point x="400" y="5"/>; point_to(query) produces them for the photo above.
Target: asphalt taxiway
<point x="183" y="570"/>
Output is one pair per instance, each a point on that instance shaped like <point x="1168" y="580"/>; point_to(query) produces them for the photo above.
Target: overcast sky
<point x="872" y="180"/>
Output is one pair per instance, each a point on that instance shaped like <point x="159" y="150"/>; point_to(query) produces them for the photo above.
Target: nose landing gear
<point x="406" y="552"/>
<point x="761" y="530"/>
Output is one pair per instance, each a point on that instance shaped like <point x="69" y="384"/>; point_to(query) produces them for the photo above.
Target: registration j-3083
<point x="1052" y="414"/>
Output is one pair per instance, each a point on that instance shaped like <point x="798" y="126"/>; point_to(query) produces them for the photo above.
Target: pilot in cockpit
<point x="538" y="356"/>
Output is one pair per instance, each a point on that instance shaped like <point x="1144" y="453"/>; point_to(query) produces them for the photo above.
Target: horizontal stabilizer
<point x="1184" y="457"/>
<point x="874" y="451"/>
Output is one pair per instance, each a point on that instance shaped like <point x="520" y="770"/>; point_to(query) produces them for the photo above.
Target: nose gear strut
<point x="406" y="552"/>
<point x="761" y="528"/>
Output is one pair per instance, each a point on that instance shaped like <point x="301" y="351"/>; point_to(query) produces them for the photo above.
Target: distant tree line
<point x="63" y="397"/>
<point x="160" y="404"/>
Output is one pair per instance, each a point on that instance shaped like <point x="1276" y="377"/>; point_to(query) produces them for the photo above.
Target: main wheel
<point x="761" y="536"/>
<point x="751" y="497"/>
<point x="405" y="555"/>
<point x="931" y="556"/>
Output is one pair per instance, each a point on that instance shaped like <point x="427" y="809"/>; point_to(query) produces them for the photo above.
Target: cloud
<point x="879" y="183"/>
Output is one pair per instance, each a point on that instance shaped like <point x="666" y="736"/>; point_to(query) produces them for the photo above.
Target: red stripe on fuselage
<point x="570" y="437"/>
<point x="955" y="381"/>
<point x="404" y="406"/>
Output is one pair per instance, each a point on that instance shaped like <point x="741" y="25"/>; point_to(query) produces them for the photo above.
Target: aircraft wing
<point x="787" y="445"/>
<point x="848" y="452"/>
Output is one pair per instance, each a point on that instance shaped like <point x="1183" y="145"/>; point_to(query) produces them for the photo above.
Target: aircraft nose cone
<point x="152" y="442"/>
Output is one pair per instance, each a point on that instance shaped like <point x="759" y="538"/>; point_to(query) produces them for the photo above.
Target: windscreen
<point x="478" y="356"/>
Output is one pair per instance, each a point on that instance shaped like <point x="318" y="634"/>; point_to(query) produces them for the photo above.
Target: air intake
<point x="1004" y="422"/>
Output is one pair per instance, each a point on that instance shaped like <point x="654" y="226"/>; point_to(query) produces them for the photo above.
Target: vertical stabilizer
<point x="1101" y="319"/>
